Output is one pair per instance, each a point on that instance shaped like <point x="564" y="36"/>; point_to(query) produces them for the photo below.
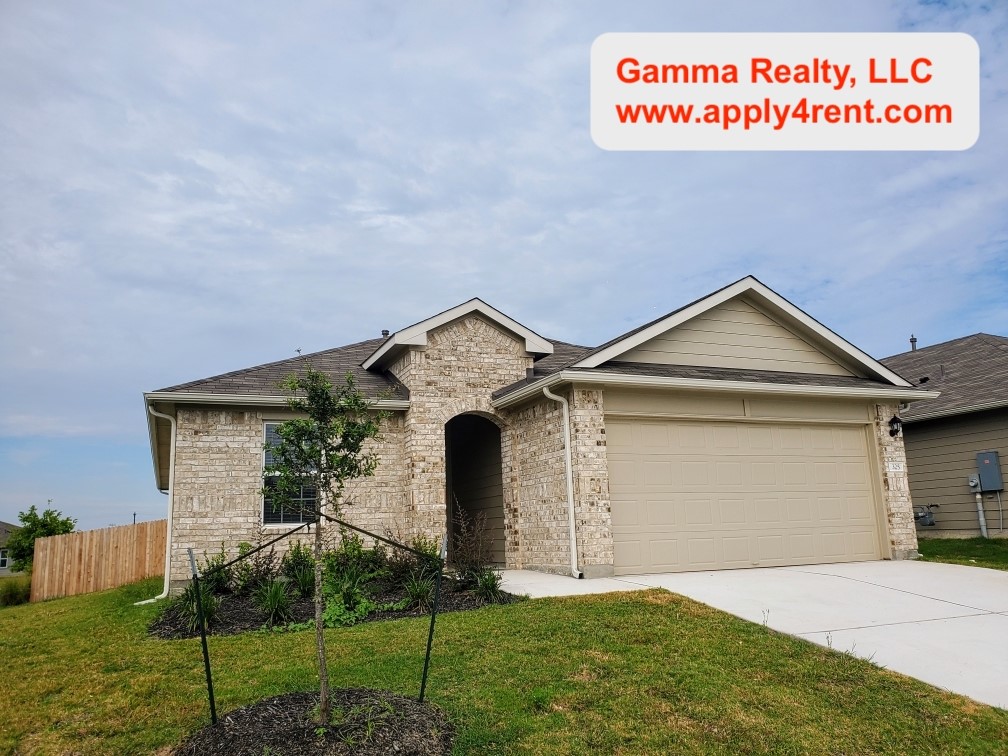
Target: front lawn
<point x="629" y="673"/>
<point x="973" y="552"/>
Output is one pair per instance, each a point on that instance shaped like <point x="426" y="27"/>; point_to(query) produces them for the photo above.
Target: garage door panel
<point x="660" y="512"/>
<point x="713" y="495"/>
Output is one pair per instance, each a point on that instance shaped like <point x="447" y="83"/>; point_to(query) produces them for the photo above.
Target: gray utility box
<point x="989" y="470"/>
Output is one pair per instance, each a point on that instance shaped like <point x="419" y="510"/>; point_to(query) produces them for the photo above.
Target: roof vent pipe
<point x="913" y="343"/>
<point x="384" y="332"/>
<point x="570" y="482"/>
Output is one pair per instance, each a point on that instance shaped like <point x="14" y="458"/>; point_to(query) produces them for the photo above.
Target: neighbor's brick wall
<point x="895" y="485"/>
<point x="218" y="479"/>
<point x="463" y="363"/>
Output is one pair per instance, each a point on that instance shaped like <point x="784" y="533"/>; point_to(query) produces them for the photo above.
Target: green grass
<point x="974" y="552"/>
<point x="14" y="590"/>
<point x="630" y="673"/>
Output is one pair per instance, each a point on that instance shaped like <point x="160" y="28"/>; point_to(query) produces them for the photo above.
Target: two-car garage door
<point x="691" y="495"/>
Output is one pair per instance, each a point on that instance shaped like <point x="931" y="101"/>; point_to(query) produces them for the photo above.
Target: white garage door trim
<point x="693" y="494"/>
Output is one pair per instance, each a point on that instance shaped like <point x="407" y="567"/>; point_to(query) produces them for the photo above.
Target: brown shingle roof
<point x="264" y="380"/>
<point x="971" y="372"/>
<point x="714" y="374"/>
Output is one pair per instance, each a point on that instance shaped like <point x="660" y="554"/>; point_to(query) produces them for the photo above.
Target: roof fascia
<point x="747" y="285"/>
<point x="254" y="400"/>
<point x="940" y="414"/>
<point x="416" y="334"/>
<point x="707" y="384"/>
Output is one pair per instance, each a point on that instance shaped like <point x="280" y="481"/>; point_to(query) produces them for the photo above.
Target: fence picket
<point x="96" y="560"/>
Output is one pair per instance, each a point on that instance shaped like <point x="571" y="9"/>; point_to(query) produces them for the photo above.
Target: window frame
<point x="4" y="559"/>
<point x="287" y="519"/>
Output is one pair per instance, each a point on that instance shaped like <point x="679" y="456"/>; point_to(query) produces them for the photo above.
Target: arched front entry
<point x="475" y="480"/>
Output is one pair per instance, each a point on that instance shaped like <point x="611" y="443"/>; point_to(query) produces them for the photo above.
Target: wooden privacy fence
<point x="95" y="560"/>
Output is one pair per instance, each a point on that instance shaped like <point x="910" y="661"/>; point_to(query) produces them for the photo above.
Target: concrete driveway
<point x="944" y="624"/>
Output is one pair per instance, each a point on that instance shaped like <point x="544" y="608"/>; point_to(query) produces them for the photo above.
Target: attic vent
<point x="385" y="332"/>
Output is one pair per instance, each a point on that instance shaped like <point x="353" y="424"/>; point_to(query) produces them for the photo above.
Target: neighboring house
<point x="736" y="431"/>
<point x="944" y="435"/>
<point x="6" y="530"/>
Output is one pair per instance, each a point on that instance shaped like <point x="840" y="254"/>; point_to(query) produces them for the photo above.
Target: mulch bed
<point x="364" y="722"/>
<point x="239" y="614"/>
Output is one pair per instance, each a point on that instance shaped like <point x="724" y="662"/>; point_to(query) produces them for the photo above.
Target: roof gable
<point x="416" y="334"/>
<point x="805" y="344"/>
<point x="734" y="334"/>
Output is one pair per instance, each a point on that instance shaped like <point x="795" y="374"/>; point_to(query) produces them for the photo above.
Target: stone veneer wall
<point x="463" y="363"/>
<point x="218" y="479"/>
<point x="895" y="485"/>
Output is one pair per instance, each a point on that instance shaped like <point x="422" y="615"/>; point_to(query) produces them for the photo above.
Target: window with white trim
<point x="301" y="508"/>
<point x="4" y="559"/>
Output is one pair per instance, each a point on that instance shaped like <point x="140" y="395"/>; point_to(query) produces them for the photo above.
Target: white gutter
<point x="707" y="384"/>
<point x="254" y="400"/>
<point x="570" y="482"/>
<point x="171" y="506"/>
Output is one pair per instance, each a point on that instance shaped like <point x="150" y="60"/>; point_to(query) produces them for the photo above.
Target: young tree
<point x="33" y="525"/>
<point x="323" y="450"/>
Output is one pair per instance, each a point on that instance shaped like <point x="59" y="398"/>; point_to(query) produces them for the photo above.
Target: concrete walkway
<point x="944" y="624"/>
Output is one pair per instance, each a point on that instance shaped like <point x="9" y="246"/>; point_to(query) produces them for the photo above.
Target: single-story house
<point x="6" y="531"/>
<point x="736" y="431"/>
<point x="943" y="436"/>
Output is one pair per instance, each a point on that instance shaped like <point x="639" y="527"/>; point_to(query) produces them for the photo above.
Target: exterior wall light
<point x="895" y="426"/>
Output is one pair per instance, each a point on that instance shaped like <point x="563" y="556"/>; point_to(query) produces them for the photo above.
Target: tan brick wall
<point x="536" y="515"/>
<point x="218" y="479"/>
<point x="591" y="482"/>
<point x="463" y="363"/>
<point x="895" y="485"/>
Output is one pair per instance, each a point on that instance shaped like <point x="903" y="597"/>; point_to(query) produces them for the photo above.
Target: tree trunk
<point x="324" y="704"/>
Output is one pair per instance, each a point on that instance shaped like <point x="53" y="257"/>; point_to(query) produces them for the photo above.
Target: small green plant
<point x="186" y="605"/>
<point x="15" y="590"/>
<point x="298" y="566"/>
<point x="218" y="580"/>
<point x="274" y="599"/>
<point x="419" y="588"/>
<point x="487" y="586"/>
<point x="346" y="598"/>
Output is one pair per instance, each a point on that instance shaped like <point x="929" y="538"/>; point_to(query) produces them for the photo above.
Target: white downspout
<point x="171" y="509"/>
<point x="570" y="481"/>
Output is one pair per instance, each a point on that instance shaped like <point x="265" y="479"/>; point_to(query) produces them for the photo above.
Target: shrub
<point x="250" y="574"/>
<point x="298" y="566"/>
<point x="185" y="605"/>
<point x="402" y="564"/>
<point x="15" y="590"/>
<point x="470" y="545"/>
<point x="419" y="588"/>
<point x="274" y="599"/>
<point x="487" y="586"/>
<point x="348" y="571"/>
<point x="219" y="581"/>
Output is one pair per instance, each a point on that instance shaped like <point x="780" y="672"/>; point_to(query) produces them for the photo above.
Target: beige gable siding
<point x="735" y="335"/>
<point x="941" y="455"/>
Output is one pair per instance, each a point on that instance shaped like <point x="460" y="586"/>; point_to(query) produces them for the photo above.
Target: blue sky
<point x="191" y="188"/>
